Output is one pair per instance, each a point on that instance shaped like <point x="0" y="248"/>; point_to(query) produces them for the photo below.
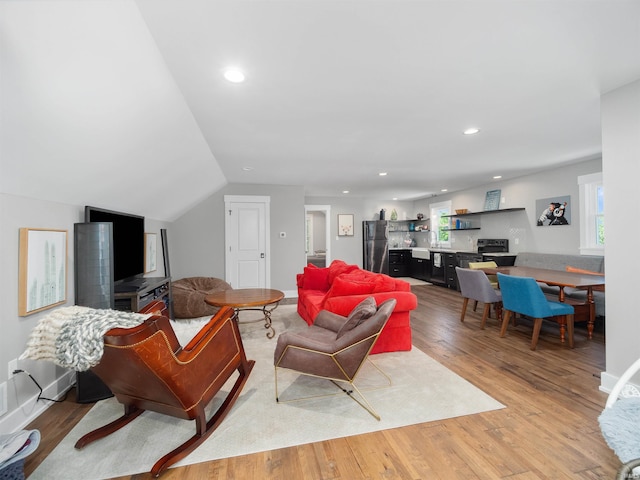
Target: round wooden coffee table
<point x="248" y="299"/>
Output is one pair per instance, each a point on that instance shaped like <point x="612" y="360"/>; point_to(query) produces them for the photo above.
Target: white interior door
<point x="247" y="261"/>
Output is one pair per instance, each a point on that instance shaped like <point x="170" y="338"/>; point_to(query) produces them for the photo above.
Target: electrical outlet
<point x="13" y="366"/>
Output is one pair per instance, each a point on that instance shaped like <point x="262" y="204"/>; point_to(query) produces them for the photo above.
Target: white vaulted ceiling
<point x="335" y="92"/>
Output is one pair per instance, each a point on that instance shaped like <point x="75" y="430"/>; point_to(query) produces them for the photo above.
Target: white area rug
<point x="422" y="391"/>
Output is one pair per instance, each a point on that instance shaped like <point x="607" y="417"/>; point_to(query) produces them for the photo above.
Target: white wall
<point x="196" y="239"/>
<point x="92" y="115"/>
<point x="521" y="226"/>
<point x="17" y="212"/>
<point x="621" y="162"/>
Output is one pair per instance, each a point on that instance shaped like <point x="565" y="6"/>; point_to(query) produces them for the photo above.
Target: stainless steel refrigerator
<point x="375" y="235"/>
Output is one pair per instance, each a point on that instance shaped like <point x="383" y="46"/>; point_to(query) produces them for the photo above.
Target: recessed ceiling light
<point x="247" y="169"/>
<point x="444" y="190"/>
<point x="471" y="131"/>
<point x="234" y="75"/>
<point x="496" y="177"/>
<point x="382" y="174"/>
<point x="345" y="191"/>
<point x="394" y="198"/>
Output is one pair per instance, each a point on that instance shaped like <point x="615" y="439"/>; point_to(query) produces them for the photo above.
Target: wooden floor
<point x="548" y="430"/>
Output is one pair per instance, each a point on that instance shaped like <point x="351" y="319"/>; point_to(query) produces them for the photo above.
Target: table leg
<point x="267" y="320"/>
<point x="592" y="313"/>
<point x="267" y="317"/>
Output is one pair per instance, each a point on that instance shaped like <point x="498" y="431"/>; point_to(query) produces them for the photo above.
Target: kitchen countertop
<point x="452" y="250"/>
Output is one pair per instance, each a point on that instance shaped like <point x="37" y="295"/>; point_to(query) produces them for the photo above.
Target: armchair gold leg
<point x="362" y="401"/>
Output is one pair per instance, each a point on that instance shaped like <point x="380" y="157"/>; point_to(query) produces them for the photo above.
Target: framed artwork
<point x="554" y="211"/>
<point x="150" y="252"/>
<point x="345" y="225"/>
<point x="492" y="200"/>
<point x="42" y="275"/>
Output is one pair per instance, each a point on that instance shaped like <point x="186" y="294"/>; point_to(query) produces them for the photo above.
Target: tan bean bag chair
<point x="188" y="296"/>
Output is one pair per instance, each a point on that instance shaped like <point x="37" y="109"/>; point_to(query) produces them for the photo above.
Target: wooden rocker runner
<point x="146" y="368"/>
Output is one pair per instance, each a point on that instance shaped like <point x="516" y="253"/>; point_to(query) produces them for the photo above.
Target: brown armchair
<point x="335" y="347"/>
<point x="147" y="369"/>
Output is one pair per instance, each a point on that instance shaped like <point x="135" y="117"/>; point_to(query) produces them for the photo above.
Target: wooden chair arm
<point x="204" y="335"/>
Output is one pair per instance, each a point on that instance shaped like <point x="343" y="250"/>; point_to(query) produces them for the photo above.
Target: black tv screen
<point x="128" y="241"/>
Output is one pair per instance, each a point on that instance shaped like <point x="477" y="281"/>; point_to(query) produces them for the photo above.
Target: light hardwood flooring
<point x="549" y="429"/>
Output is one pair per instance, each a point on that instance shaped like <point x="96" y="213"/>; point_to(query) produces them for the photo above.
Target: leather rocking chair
<point x="335" y="347"/>
<point x="146" y="368"/>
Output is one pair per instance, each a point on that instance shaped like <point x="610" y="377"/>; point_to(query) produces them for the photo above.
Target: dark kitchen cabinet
<point x="399" y="263"/>
<point x="450" y="262"/>
<point x="437" y="268"/>
<point x="421" y="269"/>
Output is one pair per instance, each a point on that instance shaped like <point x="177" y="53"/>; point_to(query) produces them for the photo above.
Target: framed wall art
<point x="345" y="225"/>
<point x="554" y="211"/>
<point x="42" y="275"/>
<point x="150" y="252"/>
<point x="492" y="200"/>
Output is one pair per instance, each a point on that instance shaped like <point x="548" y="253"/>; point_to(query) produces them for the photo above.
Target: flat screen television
<point x="128" y="242"/>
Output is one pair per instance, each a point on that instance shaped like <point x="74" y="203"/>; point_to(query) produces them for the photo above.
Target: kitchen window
<point x="592" y="231"/>
<point x="439" y="217"/>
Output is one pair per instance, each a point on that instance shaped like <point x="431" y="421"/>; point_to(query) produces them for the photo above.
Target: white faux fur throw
<point x="72" y="337"/>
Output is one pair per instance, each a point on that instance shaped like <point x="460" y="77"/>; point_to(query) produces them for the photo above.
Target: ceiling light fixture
<point x="234" y="75"/>
<point x="444" y="190"/>
<point x="471" y="131"/>
<point x="345" y="191"/>
<point x="382" y="174"/>
<point x="247" y="169"/>
<point x="496" y="177"/>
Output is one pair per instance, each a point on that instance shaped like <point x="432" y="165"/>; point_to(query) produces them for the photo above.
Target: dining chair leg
<point x="464" y="308"/>
<point x="505" y="322"/>
<point x="537" y="325"/>
<point x="485" y="315"/>
<point x="475" y="305"/>
<point x="498" y="309"/>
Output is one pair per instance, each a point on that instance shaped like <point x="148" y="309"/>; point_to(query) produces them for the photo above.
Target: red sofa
<point x="339" y="287"/>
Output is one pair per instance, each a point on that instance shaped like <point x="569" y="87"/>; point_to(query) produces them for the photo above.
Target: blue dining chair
<point x="523" y="295"/>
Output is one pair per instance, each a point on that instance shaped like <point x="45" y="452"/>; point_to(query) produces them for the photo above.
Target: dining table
<point x="562" y="279"/>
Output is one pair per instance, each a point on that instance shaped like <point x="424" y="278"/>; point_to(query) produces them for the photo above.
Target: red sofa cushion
<point x="361" y="282"/>
<point x="338" y="267"/>
<point x="315" y="279"/>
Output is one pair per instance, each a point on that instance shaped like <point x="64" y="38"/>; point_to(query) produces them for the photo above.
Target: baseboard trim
<point x="31" y="408"/>
<point x="607" y="382"/>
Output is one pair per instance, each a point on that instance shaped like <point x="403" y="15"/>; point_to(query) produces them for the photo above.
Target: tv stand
<point x="138" y="293"/>
<point x="132" y="285"/>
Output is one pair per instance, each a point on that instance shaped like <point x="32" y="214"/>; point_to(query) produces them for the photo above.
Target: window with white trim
<point x="441" y="224"/>
<point x="591" y="191"/>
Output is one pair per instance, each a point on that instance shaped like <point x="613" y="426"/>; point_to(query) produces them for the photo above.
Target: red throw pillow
<point x="365" y="309"/>
<point x="338" y="267"/>
<point x="383" y="283"/>
<point x="316" y="279"/>
<point x="348" y="285"/>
